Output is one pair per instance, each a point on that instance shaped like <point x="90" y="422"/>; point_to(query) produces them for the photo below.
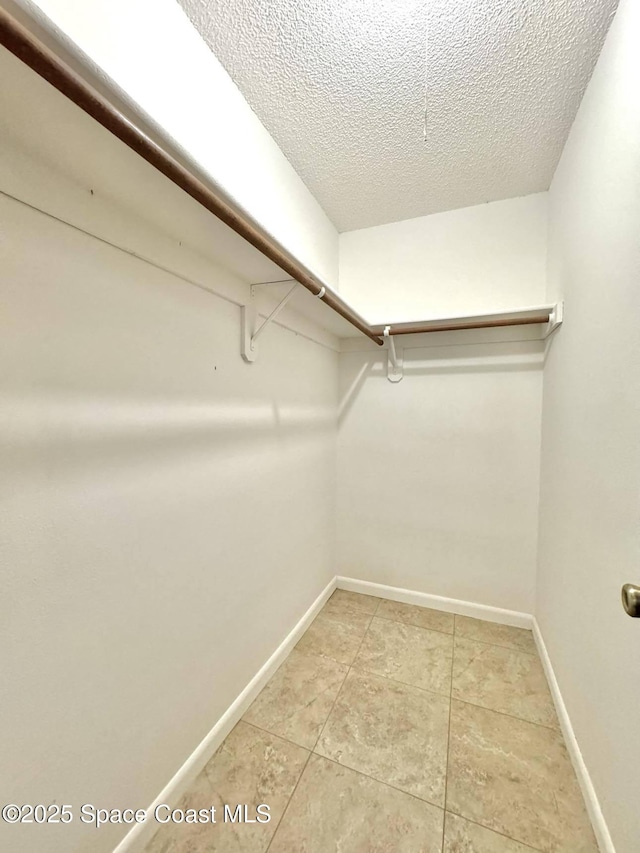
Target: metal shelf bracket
<point x="249" y="318"/>
<point x="395" y="359"/>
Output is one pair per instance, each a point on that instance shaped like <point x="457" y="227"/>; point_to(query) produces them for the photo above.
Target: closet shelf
<point x="178" y="166"/>
<point x="551" y="315"/>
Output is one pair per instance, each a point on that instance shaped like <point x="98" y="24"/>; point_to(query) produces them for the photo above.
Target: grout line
<point x="413" y="625"/>
<point x="311" y="751"/>
<point x="490" y="829"/>
<point x="349" y="668"/>
<point x="511" y="716"/>
<point x="344" y="620"/>
<point x="360" y="668"/>
<point x="273" y="734"/>
<point x="363" y="639"/>
<point x="380" y="782"/>
<point x="362" y="671"/>
<point x="304" y="654"/>
<point x="286" y="808"/>
<point x="365" y="671"/>
<point x="352" y="769"/>
<point x="416" y="627"/>
<point x="496" y="645"/>
<point x="333" y="705"/>
<point x="453" y="633"/>
<point x="456" y="633"/>
<point x="446" y="768"/>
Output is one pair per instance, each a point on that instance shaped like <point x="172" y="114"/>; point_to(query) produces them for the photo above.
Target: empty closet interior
<point x="320" y="383"/>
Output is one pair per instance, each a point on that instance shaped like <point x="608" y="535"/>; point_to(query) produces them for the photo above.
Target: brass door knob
<point x="631" y="599"/>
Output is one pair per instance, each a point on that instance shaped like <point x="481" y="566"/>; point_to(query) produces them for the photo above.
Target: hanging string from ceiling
<point x="426" y="75"/>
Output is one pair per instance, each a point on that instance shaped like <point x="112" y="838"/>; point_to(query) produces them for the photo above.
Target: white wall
<point x="438" y="474"/>
<point x="159" y="498"/>
<point x="155" y="55"/>
<point x="590" y="495"/>
<point x="159" y="495"/>
<point x="486" y="258"/>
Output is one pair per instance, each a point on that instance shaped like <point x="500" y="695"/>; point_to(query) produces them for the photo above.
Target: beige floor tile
<point x="366" y="603"/>
<point x="345" y="611"/>
<point x="491" y="632"/>
<point x="251" y="767"/>
<point x="185" y="838"/>
<point x="405" y="653"/>
<point x="392" y="732"/>
<point x="336" y="809"/>
<point x="422" y="617"/>
<point x="502" y="679"/>
<point x="462" y="836"/>
<point x="296" y="702"/>
<point x="516" y="778"/>
<point x="331" y="638"/>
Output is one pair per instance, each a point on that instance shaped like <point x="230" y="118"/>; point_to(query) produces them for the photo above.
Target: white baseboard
<point x="584" y="779"/>
<point x="438" y="602"/>
<point x="141" y="833"/>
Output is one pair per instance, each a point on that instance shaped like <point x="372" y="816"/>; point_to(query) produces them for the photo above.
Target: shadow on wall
<point x="482" y="358"/>
<point x="355" y="383"/>
<point x="85" y="433"/>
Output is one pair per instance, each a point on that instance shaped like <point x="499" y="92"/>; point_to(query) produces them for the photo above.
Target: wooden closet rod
<point x="524" y="317"/>
<point x="34" y="53"/>
<point x="44" y="62"/>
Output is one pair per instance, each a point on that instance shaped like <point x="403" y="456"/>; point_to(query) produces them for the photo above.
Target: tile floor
<point x="391" y="728"/>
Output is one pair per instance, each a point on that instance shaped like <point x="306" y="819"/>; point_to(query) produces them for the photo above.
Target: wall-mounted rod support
<point x="175" y="163"/>
<point x="555" y="319"/>
<point x="272" y="316"/>
<point x="168" y="158"/>
<point x="395" y="360"/>
<point x="391" y="345"/>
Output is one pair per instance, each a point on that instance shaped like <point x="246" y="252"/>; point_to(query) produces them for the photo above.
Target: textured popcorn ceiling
<point x="340" y="84"/>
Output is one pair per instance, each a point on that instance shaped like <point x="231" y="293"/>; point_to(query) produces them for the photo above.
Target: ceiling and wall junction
<point x="342" y="88"/>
